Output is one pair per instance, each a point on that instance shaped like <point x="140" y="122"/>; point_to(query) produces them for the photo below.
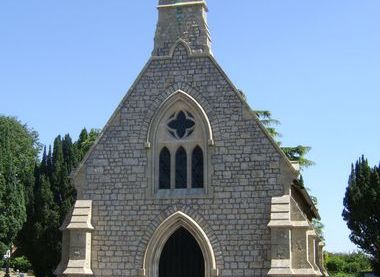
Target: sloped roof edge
<point x="252" y="112"/>
<point x="108" y="124"/>
<point x="313" y="209"/>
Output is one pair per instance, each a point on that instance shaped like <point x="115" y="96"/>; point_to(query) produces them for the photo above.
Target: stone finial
<point x="182" y="20"/>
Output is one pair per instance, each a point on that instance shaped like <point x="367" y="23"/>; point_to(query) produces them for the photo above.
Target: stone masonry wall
<point x="185" y="22"/>
<point x="245" y="175"/>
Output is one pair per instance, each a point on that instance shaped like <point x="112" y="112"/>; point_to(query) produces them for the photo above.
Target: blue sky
<point x="65" y="65"/>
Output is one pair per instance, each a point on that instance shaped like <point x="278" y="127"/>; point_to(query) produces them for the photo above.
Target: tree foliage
<point x="269" y="123"/>
<point x="18" y="154"/>
<point x="20" y="263"/>
<point x="352" y="264"/>
<point x="295" y="153"/>
<point x="54" y="196"/>
<point x="86" y="140"/>
<point x="298" y="154"/>
<point x="362" y="209"/>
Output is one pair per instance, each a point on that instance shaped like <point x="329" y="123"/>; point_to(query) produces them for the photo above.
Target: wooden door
<point x="181" y="256"/>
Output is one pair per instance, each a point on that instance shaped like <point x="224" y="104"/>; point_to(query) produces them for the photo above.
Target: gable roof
<point x="252" y="113"/>
<point x="235" y="90"/>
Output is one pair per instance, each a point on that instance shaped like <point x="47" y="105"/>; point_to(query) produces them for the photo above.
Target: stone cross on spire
<point x="185" y="20"/>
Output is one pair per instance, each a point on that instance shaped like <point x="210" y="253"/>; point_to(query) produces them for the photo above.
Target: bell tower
<point x="185" y="20"/>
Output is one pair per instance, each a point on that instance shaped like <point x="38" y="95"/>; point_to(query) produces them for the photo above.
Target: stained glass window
<point x="180" y="168"/>
<point x="164" y="169"/>
<point x="197" y="168"/>
<point x="181" y="124"/>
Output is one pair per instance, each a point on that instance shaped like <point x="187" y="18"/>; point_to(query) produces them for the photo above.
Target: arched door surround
<point x="164" y="231"/>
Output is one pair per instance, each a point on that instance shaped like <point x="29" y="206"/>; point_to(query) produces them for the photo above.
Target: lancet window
<point x="188" y="171"/>
<point x="164" y="171"/>
<point x="180" y="136"/>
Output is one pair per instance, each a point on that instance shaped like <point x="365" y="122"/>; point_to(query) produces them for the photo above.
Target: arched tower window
<point x="197" y="173"/>
<point x="164" y="170"/>
<point x="179" y="136"/>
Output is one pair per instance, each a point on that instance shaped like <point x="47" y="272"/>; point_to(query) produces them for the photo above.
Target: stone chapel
<point x="184" y="181"/>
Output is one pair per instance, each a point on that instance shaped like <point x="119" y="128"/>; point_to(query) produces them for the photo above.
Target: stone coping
<point x="176" y="5"/>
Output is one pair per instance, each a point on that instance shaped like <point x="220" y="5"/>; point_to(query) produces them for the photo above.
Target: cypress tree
<point x="49" y="163"/>
<point x="48" y="190"/>
<point x="54" y="195"/>
<point x="92" y="136"/>
<point x="46" y="243"/>
<point x="362" y="209"/>
<point x="80" y="144"/>
<point x="67" y="190"/>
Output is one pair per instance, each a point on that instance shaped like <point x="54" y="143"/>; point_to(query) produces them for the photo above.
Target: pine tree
<point x="298" y="154"/>
<point x="269" y="123"/>
<point x="294" y="153"/>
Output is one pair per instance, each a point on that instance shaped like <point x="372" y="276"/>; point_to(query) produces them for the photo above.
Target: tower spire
<point x="185" y="20"/>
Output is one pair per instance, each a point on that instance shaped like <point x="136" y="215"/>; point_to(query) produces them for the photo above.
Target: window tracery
<point x="180" y="135"/>
<point x="181" y="125"/>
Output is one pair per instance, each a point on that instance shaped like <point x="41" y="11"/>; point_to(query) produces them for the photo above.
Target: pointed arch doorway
<point x="181" y="256"/>
<point x="179" y="242"/>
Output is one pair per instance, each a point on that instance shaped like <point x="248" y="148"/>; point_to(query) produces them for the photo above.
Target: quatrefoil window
<point x="181" y="124"/>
